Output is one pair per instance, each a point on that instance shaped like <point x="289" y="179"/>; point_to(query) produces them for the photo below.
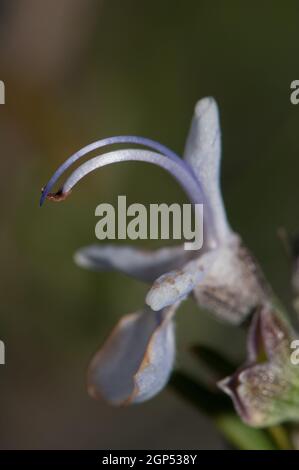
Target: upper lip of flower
<point x="198" y="173"/>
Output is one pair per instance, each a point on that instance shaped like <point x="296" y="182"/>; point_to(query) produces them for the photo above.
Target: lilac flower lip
<point x="125" y="139"/>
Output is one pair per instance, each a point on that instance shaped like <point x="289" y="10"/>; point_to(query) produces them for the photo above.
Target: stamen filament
<point x="126" y="139"/>
<point x="179" y="170"/>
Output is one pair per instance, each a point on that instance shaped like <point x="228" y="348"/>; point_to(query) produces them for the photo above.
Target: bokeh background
<point x="79" y="70"/>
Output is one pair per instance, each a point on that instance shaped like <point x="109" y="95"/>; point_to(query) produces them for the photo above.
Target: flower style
<point x="265" y="391"/>
<point x="136" y="360"/>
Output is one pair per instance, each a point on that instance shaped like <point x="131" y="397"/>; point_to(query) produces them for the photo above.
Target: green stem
<point x="281" y="437"/>
<point x="242" y="437"/>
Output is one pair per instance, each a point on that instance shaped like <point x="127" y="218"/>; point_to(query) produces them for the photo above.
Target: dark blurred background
<point x="79" y="70"/>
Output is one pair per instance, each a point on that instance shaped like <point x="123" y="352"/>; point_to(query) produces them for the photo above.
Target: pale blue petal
<point x="136" y="360"/>
<point x="176" y="285"/>
<point x="203" y="153"/>
<point x="145" y="265"/>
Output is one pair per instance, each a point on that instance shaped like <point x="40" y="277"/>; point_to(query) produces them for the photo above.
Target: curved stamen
<point x="125" y="139"/>
<point x="179" y="170"/>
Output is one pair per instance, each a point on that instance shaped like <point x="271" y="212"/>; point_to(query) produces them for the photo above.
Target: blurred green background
<point x="79" y="70"/>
